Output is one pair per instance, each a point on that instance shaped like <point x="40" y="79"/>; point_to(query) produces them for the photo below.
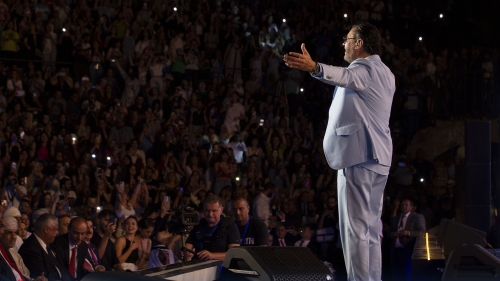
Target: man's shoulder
<point x="60" y="240"/>
<point x="30" y="244"/>
<point x="256" y="222"/>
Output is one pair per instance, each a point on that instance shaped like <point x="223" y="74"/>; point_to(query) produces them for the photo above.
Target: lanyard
<point x="245" y="233"/>
<point x="205" y="232"/>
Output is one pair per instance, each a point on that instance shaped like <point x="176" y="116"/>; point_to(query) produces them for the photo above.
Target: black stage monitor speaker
<point x="458" y="234"/>
<point x="443" y="227"/>
<point x="273" y="263"/>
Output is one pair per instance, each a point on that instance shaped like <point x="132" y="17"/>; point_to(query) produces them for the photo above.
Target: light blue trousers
<point x="360" y="197"/>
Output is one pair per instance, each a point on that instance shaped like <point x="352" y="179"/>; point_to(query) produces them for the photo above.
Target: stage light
<point x="427" y="246"/>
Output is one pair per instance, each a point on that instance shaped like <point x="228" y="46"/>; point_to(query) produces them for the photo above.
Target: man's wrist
<point x="316" y="69"/>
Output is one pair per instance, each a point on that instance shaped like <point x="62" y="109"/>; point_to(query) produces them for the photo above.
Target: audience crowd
<point x="109" y="106"/>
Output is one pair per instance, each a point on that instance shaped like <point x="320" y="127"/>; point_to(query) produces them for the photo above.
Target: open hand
<point x="205" y="255"/>
<point x="300" y="61"/>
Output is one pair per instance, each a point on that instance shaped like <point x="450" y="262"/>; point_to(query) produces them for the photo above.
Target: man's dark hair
<point x="238" y="198"/>
<point x="43" y="221"/>
<point x="105" y="213"/>
<point x="332" y="196"/>
<point x="372" y="41"/>
<point x="410" y="199"/>
<point x="62" y="216"/>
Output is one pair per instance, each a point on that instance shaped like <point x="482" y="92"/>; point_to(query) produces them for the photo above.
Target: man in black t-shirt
<point x="253" y="231"/>
<point x="215" y="234"/>
<point x="102" y="240"/>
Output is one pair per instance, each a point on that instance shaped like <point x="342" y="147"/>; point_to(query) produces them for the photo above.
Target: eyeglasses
<point x="345" y="38"/>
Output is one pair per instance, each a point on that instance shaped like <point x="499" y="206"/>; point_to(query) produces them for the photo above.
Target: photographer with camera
<point x="215" y="234"/>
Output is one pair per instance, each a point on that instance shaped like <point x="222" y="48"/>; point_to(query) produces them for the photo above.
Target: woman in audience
<point x="171" y="182"/>
<point x="146" y="227"/>
<point x="127" y="246"/>
<point x="124" y="205"/>
<point x="223" y="171"/>
<point x="255" y="149"/>
<point x="300" y="175"/>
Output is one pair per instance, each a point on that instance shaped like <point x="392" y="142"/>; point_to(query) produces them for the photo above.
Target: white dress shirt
<point x="302" y="243"/>
<point x="404" y="218"/>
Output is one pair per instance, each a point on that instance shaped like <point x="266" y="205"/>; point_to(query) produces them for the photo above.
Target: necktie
<point x="92" y="255"/>
<point x="400" y="228"/>
<point x="301" y="243"/>
<point x="72" y="263"/>
<point x="53" y="258"/>
<point x="282" y="243"/>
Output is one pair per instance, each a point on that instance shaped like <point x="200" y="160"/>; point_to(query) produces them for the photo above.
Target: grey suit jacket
<point x="415" y="224"/>
<point x="358" y="124"/>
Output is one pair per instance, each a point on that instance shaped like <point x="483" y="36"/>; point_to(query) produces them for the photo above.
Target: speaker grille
<point x="291" y="263"/>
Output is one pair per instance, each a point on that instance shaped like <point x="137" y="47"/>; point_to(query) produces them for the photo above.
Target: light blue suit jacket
<point x="358" y="124"/>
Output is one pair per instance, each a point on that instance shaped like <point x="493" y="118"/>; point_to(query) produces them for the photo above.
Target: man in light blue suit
<point x="357" y="143"/>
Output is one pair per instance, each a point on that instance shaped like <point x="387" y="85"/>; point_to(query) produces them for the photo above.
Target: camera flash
<point x="345" y="15"/>
<point x="109" y="158"/>
<point x="237" y="178"/>
<point x="440" y="16"/>
<point x="64" y="29"/>
<point x="284" y="20"/>
<point x="422" y="180"/>
<point x="420" y="38"/>
<point x="93" y="155"/>
<point x="175" y="9"/>
<point x="301" y="89"/>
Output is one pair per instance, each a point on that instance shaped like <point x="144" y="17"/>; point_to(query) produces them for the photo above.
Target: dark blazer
<point x="6" y="273"/>
<point x="415" y="223"/>
<point x="61" y="248"/>
<point x="37" y="261"/>
<point x="96" y="253"/>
